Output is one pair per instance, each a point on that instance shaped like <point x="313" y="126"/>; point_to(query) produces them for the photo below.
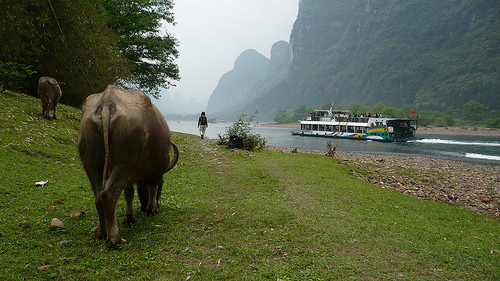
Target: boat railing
<point x="318" y="118"/>
<point x="352" y="119"/>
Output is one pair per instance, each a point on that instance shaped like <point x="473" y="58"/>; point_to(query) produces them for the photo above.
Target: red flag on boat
<point x="413" y="111"/>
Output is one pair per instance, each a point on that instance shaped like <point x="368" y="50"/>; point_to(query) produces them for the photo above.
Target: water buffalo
<point x="50" y="93"/>
<point x="124" y="140"/>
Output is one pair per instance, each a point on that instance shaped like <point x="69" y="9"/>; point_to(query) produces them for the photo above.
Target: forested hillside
<point x="433" y="55"/>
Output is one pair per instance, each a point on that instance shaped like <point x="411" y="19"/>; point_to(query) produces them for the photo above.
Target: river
<point x="485" y="149"/>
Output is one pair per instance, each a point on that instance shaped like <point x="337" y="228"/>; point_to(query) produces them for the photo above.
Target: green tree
<point x="151" y="52"/>
<point x="90" y="43"/>
<point x="14" y="76"/>
<point x="358" y="108"/>
<point x="282" y="117"/>
<point x="379" y="107"/>
<point x="474" y="111"/>
<point x="435" y="118"/>
<point x="67" y="40"/>
<point x="493" y="120"/>
<point x="300" y="113"/>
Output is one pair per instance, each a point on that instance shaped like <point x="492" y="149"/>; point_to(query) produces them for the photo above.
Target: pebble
<point x="44" y="268"/>
<point x="55" y="222"/>
<point x="76" y="213"/>
<point x="25" y="224"/>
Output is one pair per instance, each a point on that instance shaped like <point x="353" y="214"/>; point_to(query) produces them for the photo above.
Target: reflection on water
<point x="483" y="149"/>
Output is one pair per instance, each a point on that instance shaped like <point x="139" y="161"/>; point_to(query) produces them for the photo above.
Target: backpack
<point x="203" y="120"/>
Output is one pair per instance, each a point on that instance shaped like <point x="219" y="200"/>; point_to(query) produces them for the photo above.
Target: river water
<point x="467" y="148"/>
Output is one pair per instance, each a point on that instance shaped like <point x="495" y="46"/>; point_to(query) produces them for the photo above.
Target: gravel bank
<point x="460" y="131"/>
<point x="469" y="185"/>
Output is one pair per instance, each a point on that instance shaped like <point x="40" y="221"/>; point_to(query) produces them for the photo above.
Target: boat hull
<point x="351" y="136"/>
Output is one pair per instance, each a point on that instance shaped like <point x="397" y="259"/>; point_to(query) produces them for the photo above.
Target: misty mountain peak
<point x="251" y="59"/>
<point x="280" y="50"/>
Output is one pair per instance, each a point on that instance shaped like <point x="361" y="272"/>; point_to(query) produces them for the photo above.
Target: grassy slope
<point x="225" y="215"/>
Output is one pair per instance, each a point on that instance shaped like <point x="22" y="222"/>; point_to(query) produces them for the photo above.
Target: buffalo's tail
<point x="105" y="117"/>
<point x="174" y="159"/>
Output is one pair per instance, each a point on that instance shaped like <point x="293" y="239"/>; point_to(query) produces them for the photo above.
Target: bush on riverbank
<point x="240" y="135"/>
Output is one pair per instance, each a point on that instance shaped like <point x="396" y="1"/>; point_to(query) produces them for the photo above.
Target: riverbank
<point x="428" y="130"/>
<point x="461" y="131"/>
<point x="473" y="186"/>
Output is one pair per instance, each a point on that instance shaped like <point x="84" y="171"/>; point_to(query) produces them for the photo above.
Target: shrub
<point x="282" y="117"/>
<point x="493" y="120"/>
<point x="239" y="135"/>
<point x="13" y="75"/>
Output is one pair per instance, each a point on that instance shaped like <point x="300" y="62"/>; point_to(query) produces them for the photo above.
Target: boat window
<point x="315" y="127"/>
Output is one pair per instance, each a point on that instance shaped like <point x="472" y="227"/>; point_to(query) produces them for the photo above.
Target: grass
<point x="226" y="215"/>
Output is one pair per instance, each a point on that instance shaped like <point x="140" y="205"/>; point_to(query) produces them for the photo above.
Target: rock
<point x="483" y="198"/>
<point x="55" y="222"/>
<point x="44" y="268"/>
<point x="76" y="213"/>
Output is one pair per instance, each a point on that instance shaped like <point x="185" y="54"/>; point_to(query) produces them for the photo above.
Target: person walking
<point x="202" y="124"/>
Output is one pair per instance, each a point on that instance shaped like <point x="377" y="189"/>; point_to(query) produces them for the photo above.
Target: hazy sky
<point x="212" y="34"/>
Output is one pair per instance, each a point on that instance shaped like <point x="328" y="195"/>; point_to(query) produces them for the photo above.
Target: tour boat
<point x="367" y="126"/>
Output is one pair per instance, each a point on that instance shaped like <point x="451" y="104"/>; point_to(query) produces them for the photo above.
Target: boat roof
<point x="402" y="119"/>
<point x="333" y="111"/>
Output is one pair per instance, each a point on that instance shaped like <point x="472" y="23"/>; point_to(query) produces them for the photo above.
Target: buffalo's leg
<point x="143" y="192"/>
<point x="152" y="207"/>
<point x="54" y="109"/>
<point x="154" y="190"/>
<point x="44" y="109"/>
<point x="110" y="195"/>
<point x="96" y="182"/>
<point x="93" y="167"/>
<point x="129" y="199"/>
<point x="101" y="228"/>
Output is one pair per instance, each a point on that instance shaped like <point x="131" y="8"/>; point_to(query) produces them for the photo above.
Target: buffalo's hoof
<point x="113" y="243"/>
<point x="153" y="212"/>
<point x="99" y="233"/>
<point x="129" y="219"/>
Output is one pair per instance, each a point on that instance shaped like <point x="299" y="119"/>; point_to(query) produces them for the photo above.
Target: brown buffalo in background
<point x="50" y="93"/>
<point x="124" y="140"/>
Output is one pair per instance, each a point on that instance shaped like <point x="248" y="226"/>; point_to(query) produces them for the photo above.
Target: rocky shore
<point x="469" y="185"/>
<point x="464" y="131"/>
